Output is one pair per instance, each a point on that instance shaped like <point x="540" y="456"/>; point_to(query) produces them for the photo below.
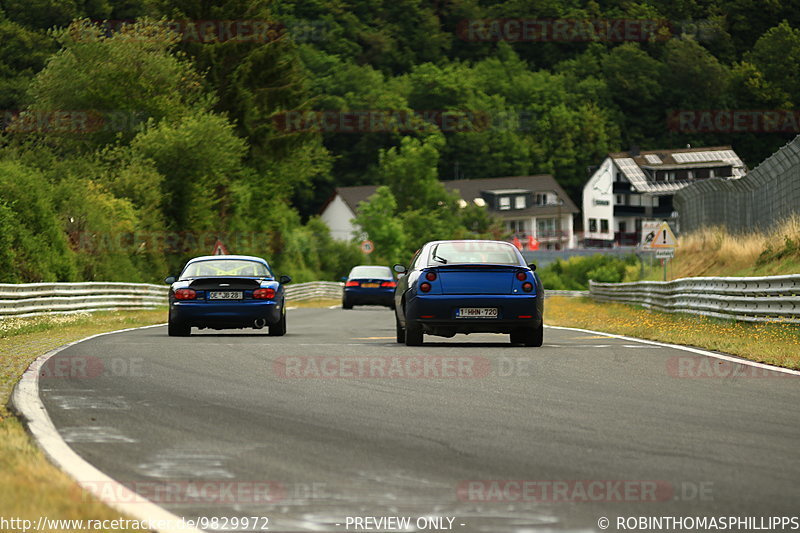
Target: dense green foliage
<point x="126" y="149"/>
<point x="574" y="273"/>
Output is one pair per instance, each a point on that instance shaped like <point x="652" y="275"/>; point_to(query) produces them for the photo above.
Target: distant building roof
<point x="632" y="163"/>
<point x="469" y="190"/>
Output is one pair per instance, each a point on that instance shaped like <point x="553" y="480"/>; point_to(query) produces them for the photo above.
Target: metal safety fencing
<point x="756" y="299"/>
<point x="33" y="299"/>
<point x="765" y="196"/>
<point x="314" y="290"/>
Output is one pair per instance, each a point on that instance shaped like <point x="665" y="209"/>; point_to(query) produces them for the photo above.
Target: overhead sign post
<point x="658" y="237"/>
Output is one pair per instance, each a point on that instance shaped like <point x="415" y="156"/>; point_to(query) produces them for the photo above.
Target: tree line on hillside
<point x="129" y="143"/>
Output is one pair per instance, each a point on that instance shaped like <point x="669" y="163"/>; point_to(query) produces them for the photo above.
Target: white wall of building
<point x="338" y="216"/>
<point x="598" y="201"/>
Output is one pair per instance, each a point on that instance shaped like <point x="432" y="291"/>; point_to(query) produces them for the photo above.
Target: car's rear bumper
<point x="233" y="314"/>
<point x="360" y="296"/>
<point x="438" y="312"/>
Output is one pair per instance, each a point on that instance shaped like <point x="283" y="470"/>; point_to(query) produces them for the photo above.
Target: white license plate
<point x="225" y="295"/>
<point x="476" y="312"/>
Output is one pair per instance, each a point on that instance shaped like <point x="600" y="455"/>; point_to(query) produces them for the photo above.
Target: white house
<point x="630" y="187"/>
<point x="530" y="206"/>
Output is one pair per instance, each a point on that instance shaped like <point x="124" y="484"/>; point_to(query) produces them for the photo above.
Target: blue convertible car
<point x="226" y="291"/>
<point x="469" y="287"/>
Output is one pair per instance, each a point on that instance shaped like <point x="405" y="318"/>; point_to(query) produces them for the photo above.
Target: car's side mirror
<point x="284" y="279"/>
<point x="169" y="280"/>
<point x="532" y="267"/>
<point x="400" y="269"/>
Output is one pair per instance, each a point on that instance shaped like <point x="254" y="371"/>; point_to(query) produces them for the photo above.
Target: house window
<point x="603" y="225"/>
<point x="593" y="225"/>
<point x="623" y="227"/>
<point x="546" y="227"/>
<point x="519" y="202"/>
<point x="540" y="199"/>
<point x="655" y="201"/>
<point x="505" y="203"/>
<point x="711" y="173"/>
<point x="635" y="200"/>
<point x="619" y="199"/>
<point x="516" y="226"/>
<point x="618" y="177"/>
<point x="690" y="174"/>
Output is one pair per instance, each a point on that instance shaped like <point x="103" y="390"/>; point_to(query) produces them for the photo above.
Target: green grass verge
<point x="30" y="486"/>
<point x="771" y="343"/>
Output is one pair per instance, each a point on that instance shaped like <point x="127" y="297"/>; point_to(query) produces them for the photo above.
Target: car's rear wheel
<point x="346" y="304"/>
<point x="413" y="333"/>
<point x="401" y="331"/>
<point x="178" y="329"/>
<point x="279" y="329"/>
<point x="529" y="336"/>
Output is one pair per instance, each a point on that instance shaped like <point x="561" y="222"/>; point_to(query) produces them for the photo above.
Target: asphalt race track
<point x="336" y="420"/>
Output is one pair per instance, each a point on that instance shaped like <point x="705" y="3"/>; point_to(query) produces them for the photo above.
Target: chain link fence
<point x="765" y="196"/>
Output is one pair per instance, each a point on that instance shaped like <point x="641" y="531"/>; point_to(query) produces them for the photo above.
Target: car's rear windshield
<point x="225" y="267"/>
<point x="370" y="272"/>
<point x="495" y="253"/>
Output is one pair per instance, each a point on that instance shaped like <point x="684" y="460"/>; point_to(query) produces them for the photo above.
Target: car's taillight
<point x="522" y="276"/>
<point x="425" y="286"/>
<point x="185" y="294"/>
<point x="352" y="284"/>
<point x="430" y="276"/>
<point x="264" y="294"/>
<point x="527" y="286"/>
<point x="388" y="284"/>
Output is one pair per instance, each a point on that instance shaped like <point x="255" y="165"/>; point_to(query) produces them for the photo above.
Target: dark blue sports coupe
<point x="469" y="287"/>
<point x="224" y="292"/>
<point x="369" y="285"/>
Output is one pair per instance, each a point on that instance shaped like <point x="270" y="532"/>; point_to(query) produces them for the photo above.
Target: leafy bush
<point x="574" y="273"/>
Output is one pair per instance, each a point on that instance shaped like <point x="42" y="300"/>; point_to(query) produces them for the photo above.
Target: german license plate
<point x="225" y="295"/>
<point x="476" y="312"/>
<point x="371" y="285"/>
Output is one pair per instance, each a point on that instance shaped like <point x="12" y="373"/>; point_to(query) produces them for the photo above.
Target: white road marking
<point x="89" y="402"/>
<point x="95" y="434"/>
<point x="177" y="464"/>
<point x="27" y="401"/>
<point x="723" y="357"/>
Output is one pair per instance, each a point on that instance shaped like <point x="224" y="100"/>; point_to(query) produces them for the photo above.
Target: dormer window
<point x="505" y="203"/>
<point x="519" y="202"/>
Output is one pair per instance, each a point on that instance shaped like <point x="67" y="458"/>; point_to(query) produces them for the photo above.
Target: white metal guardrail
<point x="757" y="299"/>
<point x="32" y="299"/>
<point x="333" y="290"/>
<point x="314" y="289"/>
